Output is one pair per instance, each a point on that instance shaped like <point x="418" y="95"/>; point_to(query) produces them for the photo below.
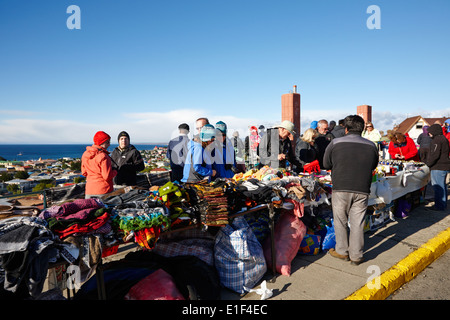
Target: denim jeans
<point x="440" y="188"/>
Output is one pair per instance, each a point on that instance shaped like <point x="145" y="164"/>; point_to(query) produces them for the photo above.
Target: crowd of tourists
<point x="350" y="149"/>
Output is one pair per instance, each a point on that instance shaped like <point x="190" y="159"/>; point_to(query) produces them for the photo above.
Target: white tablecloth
<point x="390" y="188"/>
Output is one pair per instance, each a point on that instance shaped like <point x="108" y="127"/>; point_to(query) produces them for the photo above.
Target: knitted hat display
<point x="207" y="132"/>
<point x="101" y="137"/>
<point x="123" y="134"/>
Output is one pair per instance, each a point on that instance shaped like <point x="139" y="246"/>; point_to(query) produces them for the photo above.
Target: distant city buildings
<point x="59" y="173"/>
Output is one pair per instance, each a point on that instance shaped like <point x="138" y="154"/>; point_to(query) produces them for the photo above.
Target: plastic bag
<point x="157" y="286"/>
<point x="264" y="292"/>
<point x="310" y="244"/>
<point x="289" y="233"/>
<point x="384" y="191"/>
<point x="330" y="238"/>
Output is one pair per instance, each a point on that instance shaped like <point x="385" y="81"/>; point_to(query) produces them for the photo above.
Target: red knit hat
<point x="100" y="137"/>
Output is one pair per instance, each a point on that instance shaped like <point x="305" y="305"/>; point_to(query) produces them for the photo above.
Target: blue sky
<point x="146" y="66"/>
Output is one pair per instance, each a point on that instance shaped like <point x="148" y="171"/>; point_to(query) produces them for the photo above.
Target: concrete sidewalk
<point x="324" y="277"/>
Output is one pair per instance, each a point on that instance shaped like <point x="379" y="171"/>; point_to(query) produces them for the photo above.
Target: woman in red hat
<point x="96" y="167"/>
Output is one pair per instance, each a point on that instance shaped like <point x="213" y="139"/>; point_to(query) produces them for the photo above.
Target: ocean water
<point x="23" y="152"/>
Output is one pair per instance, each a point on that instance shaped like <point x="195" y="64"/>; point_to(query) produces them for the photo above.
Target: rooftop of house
<point x="408" y="123"/>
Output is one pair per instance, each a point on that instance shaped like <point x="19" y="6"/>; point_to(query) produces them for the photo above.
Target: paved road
<point x="433" y="283"/>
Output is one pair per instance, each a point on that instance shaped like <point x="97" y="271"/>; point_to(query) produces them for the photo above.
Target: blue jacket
<point x="224" y="159"/>
<point x="198" y="163"/>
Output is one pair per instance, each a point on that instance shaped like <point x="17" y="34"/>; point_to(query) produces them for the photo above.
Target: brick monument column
<point x="290" y="109"/>
<point x="365" y="111"/>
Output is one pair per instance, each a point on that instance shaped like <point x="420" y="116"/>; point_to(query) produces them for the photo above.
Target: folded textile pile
<point x="69" y="208"/>
<point x="213" y="204"/>
<point x="145" y="225"/>
<point x="27" y="247"/>
<point x="266" y="173"/>
<point x="80" y="217"/>
<point x="89" y="222"/>
<point x="256" y="191"/>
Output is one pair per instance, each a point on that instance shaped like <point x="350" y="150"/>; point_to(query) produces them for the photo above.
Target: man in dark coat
<point x="275" y="148"/>
<point x="127" y="160"/>
<point x="323" y="139"/>
<point x="352" y="160"/>
<point x="177" y="151"/>
<point x="439" y="163"/>
<point x="339" y="130"/>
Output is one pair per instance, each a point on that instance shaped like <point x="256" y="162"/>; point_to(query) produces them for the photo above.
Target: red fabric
<point x="109" y="251"/>
<point x="447" y="135"/>
<point x="409" y="151"/>
<point x="84" y="228"/>
<point x="96" y="167"/>
<point x="147" y="237"/>
<point x="158" y="286"/>
<point x="312" y="167"/>
<point x="299" y="208"/>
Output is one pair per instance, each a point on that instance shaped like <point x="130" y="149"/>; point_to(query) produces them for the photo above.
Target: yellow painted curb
<point x="389" y="281"/>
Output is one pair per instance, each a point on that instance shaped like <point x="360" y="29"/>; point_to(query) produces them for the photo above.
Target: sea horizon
<point x="25" y="152"/>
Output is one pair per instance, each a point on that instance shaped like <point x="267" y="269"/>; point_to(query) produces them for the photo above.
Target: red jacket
<point x="409" y="151"/>
<point x="96" y="167"/>
<point x="447" y="135"/>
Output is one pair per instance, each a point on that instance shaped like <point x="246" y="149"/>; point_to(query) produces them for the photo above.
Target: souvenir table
<point x="392" y="187"/>
<point x="389" y="183"/>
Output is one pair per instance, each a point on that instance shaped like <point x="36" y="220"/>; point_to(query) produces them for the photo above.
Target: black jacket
<point x="322" y="142"/>
<point x="438" y="157"/>
<point x="352" y="160"/>
<point x="305" y="152"/>
<point x="176" y="153"/>
<point x="127" y="163"/>
<point x="271" y="146"/>
<point x="338" y="131"/>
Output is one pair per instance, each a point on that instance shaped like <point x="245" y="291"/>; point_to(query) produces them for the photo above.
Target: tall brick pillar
<point x="365" y="112"/>
<point x="290" y="108"/>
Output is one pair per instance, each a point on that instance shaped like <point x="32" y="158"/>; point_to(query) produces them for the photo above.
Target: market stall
<point x="207" y="228"/>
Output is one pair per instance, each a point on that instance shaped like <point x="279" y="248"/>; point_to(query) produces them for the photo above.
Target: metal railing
<point x="26" y="194"/>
